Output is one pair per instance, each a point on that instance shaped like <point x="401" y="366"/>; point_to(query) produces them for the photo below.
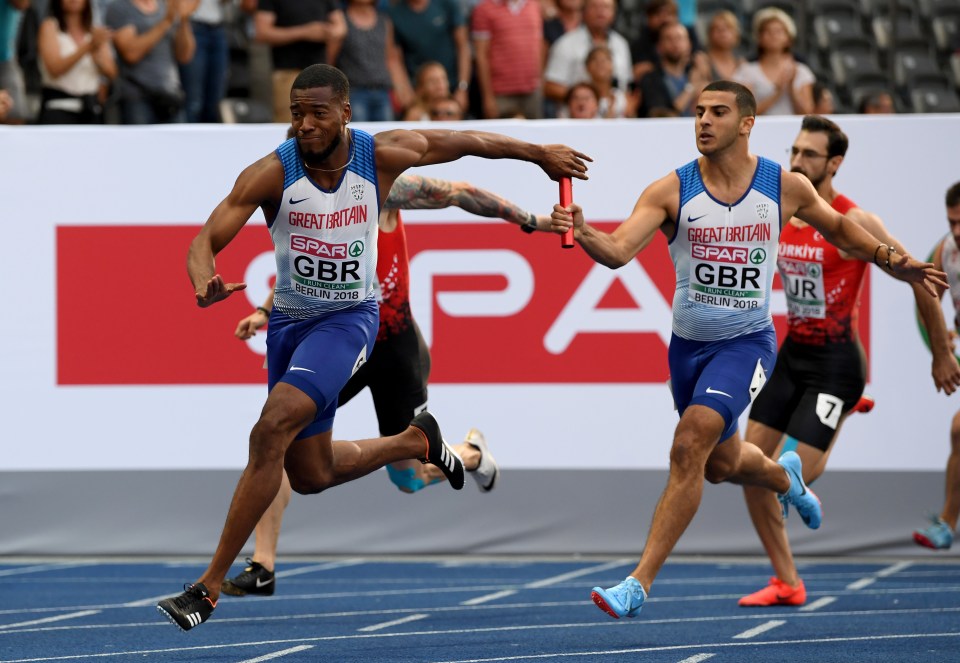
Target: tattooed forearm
<point x="418" y="192"/>
<point x="484" y="203"/>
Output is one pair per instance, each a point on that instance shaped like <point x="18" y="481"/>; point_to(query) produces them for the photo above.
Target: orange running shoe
<point x="776" y="593"/>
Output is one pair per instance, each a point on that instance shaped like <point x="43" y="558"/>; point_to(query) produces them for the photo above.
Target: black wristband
<point x="263" y="310"/>
<point x="875" y="252"/>
<point x="530" y="226"/>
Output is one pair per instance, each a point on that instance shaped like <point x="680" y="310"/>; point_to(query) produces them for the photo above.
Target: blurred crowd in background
<point x="162" y="61"/>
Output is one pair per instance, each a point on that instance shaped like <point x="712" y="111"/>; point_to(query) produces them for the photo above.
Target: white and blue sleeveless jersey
<point x="950" y="263"/>
<point x="326" y="241"/>
<point x="725" y="256"/>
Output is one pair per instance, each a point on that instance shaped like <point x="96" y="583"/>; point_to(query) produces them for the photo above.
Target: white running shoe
<point x="487" y="471"/>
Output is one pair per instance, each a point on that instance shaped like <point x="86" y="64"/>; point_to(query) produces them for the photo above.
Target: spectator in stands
<point x="723" y="42"/>
<point x="879" y="102"/>
<point x="614" y="102"/>
<point x="644" y="52"/>
<point x="369" y="57"/>
<point x="678" y="78"/>
<point x="6" y="103"/>
<point x="781" y="84"/>
<point x="446" y="110"/>
<point x="435" y="30"/>
<point x="566" y="63"/>
<point x="582" y="102"/>
<point x="823" y="101"/>
<point x="432" y="85"/>
<point x="74" y="55"/>
<point x="151" y="37"/>
<point x="508" y="61"/>
<point x="297" y="32"/>
<point x="11" y="76"/>
<point x="204" y="78"/>
<point x="569" y="15"/>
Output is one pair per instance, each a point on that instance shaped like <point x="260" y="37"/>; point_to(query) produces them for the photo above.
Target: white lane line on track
<point x="277" y="654"/>
<point x="489" y="597"/>
<point x="290" y="598"/>
<point x="563" y="577"/>
<point x="819" y="603"/>
<point x="142" y="603"/>
<point x="41" y="568"/>
<point x="696" y="658"/>
<point x="157" y="623"/>
<point x="320" y="567"/>
<point x="621" y="652"/>
<point x="883" y="573"/>
<point x="762" y="628"/>
<point x="47" y="620"/>
<point x="547" y="582"/>
<point x="139" y="603"/>
<point x="395" y="622"/>
<point x="557" y="655"/>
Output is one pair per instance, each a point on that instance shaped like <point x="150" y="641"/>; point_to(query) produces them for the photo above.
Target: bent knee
<point x="309" y="485"/>
<point x="687" y="454"/>
<point x="717" y="471"/>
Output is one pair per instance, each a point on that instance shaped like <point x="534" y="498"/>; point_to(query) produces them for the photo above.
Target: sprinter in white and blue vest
<point x="722" y="215"/>
<point x="321" y="194"/>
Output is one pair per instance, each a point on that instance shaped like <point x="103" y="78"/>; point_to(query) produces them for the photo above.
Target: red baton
<point x="566" y="197"/>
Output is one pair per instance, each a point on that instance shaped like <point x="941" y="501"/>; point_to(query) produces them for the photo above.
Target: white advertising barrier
<point x="107" y="364"/>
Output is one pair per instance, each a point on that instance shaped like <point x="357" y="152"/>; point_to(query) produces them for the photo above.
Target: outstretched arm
<point x="800" y="199"/>
<point x="418" y="192"/>
<point x="656" y="205"/>
<point x="257" y="185"/>
<point x="400" y="149"/>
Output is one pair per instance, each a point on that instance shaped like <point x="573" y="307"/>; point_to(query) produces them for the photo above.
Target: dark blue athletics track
<point x="467" y="609"/>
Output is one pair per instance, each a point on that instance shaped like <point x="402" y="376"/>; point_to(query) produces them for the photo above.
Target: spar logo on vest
<point x="324" y="270"/>
<point x="725" y="276"/>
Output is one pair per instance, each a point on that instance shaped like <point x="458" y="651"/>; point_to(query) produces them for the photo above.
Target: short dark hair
<point x="669" y="23"/>
<point x="323" y="75"/>
<point x="86" y="15"/>
<point x="654" y="6"/>
<point x="577" y="86"/>
<point x="746" y="102"/>
<point x="953" y="195"/>
<point x="871" y="99"/>
<point x="837" y="141"/>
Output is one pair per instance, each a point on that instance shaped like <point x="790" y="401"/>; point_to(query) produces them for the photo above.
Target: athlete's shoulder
<point x="262" y="180"/>
<point x="936" y="255"/>
<point x="267" y="166"/>
<point x="796" y="187"/>
<point x="668" y="185"/>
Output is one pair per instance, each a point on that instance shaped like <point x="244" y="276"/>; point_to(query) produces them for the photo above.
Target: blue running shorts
<point x="723" y="375"/>
<point x="318" y="356"/>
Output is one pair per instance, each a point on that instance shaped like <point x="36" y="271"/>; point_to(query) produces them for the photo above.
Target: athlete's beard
<point x="314" y="160"/>
<point x="815" y="182"/>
